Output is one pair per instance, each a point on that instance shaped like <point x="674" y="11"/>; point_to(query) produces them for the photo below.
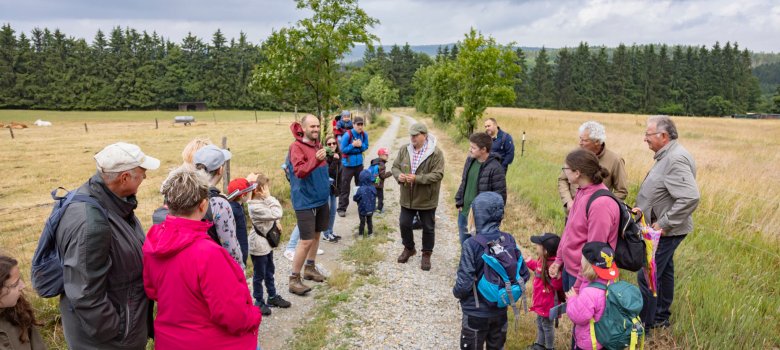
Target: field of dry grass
<point x="727" y="286"/>
<point x="40" y="159"/>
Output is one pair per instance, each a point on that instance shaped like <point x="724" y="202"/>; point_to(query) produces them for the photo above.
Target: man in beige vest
<point x="593" y="138"/>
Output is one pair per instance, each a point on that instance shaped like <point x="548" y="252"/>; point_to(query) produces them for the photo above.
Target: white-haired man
<point x="104" y="305"/>
<point x="593" y="138"/>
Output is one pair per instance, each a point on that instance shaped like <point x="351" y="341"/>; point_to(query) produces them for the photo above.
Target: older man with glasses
<point x="353" y="143"/>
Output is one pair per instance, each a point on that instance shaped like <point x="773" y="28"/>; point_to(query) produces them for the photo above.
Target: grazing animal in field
<point x="42" y="123"/>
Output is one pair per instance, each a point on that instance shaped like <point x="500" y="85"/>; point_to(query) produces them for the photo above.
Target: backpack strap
<point x="597" y="194"/>
<point x="593" y="334"/>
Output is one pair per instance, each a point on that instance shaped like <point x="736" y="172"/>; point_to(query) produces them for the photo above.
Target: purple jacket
<point x="588" y="304"/>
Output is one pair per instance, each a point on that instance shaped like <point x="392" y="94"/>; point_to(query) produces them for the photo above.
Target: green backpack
<point x="619" y="326"/>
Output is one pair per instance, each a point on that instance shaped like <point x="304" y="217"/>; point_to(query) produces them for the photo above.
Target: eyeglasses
<point x="565" y="168"/>
<point x="331" y="143"/>
<point x="653" y="133"/>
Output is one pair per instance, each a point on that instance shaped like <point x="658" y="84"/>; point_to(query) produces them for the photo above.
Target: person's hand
<point x="411" y="177"/>
<point x="252" y="177"/>
<point x="568" y="205"/>
<point x="357" y="143"/>
<point x="321" y="153"/>
<point x="402" y="178"/>
<point x="554" y="269"/>
<point x="658" y="228"/>
<point x="336" y="156"/>
<point x="571" y="293"/>
<point x="459" y="209"/>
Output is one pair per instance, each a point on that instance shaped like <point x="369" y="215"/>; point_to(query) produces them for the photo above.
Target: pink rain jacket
<point x="544" y="296"/>
<point x="588" y="304"/>
<point x="202" y="295"/>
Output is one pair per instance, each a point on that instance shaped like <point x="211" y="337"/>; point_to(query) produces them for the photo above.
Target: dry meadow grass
<point x="40" y="159"/>
<point x="727" y="287"/>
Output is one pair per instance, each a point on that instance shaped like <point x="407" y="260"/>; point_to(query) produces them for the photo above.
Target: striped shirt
<point x="418" y="155"/>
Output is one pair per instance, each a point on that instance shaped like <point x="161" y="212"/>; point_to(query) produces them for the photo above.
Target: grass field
<point x="727" y="290"/>
<point x="40" y="159"/>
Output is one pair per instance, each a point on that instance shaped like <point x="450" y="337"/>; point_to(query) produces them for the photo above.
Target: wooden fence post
<point x="156" y="124"/>
<point x="85" y="128"/>
<point x="255" y="117"/>
<point x="12" y="132"/>
<point x="226" y="179"/>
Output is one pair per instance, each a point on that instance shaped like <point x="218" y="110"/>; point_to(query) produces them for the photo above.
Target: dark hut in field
<point x="192" y="106"/>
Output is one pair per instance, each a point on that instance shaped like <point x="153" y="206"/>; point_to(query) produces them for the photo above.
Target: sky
<point x="754" y="24"/>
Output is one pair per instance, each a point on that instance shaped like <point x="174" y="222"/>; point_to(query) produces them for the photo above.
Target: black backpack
<point x="47" y="273"/>
<point x="630" y="253"/>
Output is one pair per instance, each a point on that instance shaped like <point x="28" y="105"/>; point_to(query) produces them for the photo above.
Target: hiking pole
<point x="522" y="145"/>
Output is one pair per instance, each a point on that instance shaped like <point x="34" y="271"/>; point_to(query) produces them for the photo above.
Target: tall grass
<point x="727" y="294"/>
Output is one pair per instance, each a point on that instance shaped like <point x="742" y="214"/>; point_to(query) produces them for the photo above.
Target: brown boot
<point x="406" y="254"/>
<point x="296" y="285"/>
<point x="425" y="263"/>
<point x="310" y="273"/>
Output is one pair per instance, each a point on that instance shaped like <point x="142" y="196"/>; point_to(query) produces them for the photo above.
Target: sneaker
<point x="264" y="309"/>
<point x="289" y="254"/>
<point x="661" y="325"/>
<point x="329" y="238"/>
<point x="342" y="213"/>
<point x="278" y="301"/>
<point x="320" y="252"/>
<point x="335" y="235"/>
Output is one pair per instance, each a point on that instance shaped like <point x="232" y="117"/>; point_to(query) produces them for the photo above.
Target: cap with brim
<point x="212" y="157"/>
<point x="123" y="156"/>
<point x="417" y="129"/>
<point x="601" y="256"/>
<point x="549" y="241"/>
<point x="357" y="120"/>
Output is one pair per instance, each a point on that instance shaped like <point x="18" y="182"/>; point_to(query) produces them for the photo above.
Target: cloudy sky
<point x="754" y="24"/>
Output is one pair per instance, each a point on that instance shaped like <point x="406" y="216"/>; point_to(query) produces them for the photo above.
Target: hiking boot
<point x="405" y="255"/>
<point x="310" y="273"/>
<point x="425" y="263"/>
<point x="277" y="301"/>
<point x="297" y="287"/>
<point x="265" y="310"/>
<point x="661" y="325"/>
<point x="342" y="213"/>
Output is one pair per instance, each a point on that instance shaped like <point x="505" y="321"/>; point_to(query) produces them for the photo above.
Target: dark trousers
<point x="380" y="198"/>
<point x="656" y="309"/>
<point x="366" y="220"/>
<point x="264" y="272"/>
<point x="568" y="283"/>
<point x="428" y="221"/>
<point x="347" y="174"/>
<point x="483" y="332"/>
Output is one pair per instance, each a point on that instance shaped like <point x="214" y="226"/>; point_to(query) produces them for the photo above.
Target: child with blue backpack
<point x="605" y="312"/>
<point x="365" y="197"/>
<point x="489" y="259"/>
<point x="379" y="173"/>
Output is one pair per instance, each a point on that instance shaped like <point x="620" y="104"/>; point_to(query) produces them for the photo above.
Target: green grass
<point x="727" y="293"/>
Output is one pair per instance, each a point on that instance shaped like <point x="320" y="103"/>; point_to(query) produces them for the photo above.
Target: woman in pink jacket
<point x="589" y="303"/>
<point x="203" y="300"/>
<point x="599" y="224"/>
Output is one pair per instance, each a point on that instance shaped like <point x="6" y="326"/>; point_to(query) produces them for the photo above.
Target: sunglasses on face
<point x="331" y="143"/>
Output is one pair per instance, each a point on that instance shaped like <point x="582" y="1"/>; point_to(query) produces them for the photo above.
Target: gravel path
<point x="409" y="308"/>
<point x="277" y="329"/>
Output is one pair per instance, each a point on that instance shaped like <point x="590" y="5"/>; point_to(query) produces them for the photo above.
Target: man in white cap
<point x="104" y="305"/>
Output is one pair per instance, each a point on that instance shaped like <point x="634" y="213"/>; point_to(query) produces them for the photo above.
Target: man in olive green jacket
<point x="419" y="168"/>
<point x="593" y="138"/>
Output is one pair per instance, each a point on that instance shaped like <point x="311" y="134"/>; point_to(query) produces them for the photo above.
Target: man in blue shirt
<point x="353" y="143"/>
<point x="503" y="146"/>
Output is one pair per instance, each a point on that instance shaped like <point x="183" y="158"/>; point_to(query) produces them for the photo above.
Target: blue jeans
<point x="264" y="272"/>
<point x="295" y="236"/>
<point x="568" y="280"/>
<point x="332" y="204"/>
<point x="462" y="226"/>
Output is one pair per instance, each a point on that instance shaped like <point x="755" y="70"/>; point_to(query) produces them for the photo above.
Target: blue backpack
<point x="496" y="285"/>
<point x="374" y="169"/>
<point x="47" y="273"/>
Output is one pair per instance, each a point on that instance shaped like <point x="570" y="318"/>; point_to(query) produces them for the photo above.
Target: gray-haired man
<point x="668" y="196"/>
<point x="593" y="137"/>
<point x="104" y="305"/>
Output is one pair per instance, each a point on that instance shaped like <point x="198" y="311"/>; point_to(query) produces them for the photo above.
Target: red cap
<point x="239" y="184"/>
<point x="383" y="152"/>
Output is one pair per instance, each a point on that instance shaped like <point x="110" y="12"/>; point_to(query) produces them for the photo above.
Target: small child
<point x="264" y="212"/>
<point x="548" y="292"/>
<point x="589" y="304"/>
<point x="365" y="197"/>
<point x="239" y="192"/>
<point x="379" y="172"/>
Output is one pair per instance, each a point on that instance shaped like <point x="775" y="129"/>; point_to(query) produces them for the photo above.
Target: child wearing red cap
<point x="239" y="191"/>
<point x="598" y="266"/>
<point x="378" y="171"/>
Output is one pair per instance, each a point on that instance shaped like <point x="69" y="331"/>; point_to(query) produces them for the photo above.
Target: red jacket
<point x="544" y="296"/>
<point x="202" y="295"/>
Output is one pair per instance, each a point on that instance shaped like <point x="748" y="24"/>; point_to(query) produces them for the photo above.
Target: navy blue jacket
<point x="243" y="241"/>
<point x="365" y="197"/>
<point x="504" y="147"/>
<point x="488" y="212"/>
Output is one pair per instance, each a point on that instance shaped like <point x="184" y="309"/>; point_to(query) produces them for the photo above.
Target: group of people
<point x="566" y="266"/>
<point x="191" y="262"/>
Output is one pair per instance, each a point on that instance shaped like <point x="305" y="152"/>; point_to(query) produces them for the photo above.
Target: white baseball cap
<point x="123" y="156"/>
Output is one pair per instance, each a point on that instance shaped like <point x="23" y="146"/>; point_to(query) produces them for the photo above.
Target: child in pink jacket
<point x="596" y="266"/>
<point x="202" y="297"/>
<point x="548" y="292"/>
